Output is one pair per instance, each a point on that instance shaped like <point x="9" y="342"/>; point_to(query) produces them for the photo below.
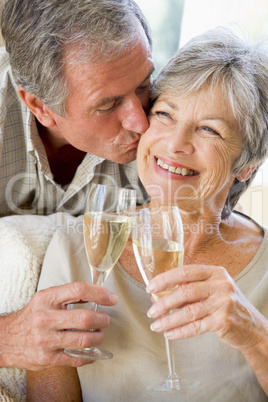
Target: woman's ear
<point x="37" y="107"/>
<point x="246" y="173"/>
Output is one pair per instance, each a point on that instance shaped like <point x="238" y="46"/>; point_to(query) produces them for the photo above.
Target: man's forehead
<point x="100" y="83"/>
<point x="107" y="99"/>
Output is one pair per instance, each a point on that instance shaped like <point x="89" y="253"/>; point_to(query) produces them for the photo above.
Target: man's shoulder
<point x="4" y="60"/>
<point x="10" y="103"/>
<point x="8" y="88"/>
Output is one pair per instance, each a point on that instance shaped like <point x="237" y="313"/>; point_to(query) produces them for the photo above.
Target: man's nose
<point x="135" y="118"/>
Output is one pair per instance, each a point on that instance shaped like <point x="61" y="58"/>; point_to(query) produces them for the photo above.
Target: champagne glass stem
<point x="98" y="279"/>
<point x="173" y="379"/>
<point x="94" y="307"/>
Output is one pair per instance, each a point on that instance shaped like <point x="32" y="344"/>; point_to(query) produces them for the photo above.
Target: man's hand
<point x="34" y="337"/>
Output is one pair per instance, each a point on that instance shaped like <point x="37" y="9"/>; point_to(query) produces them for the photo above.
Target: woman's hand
<point x="206" y="299"/>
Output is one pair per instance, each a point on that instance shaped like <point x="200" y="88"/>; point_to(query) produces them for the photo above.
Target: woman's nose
<point x="180" y="140"/>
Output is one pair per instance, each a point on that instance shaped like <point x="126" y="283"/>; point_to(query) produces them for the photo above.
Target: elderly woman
<point x="208" y="134"/>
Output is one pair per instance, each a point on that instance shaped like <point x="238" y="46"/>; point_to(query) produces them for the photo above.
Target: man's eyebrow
<point x="149" y="75"/>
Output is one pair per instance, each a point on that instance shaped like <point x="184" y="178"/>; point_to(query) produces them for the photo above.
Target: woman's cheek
<point x="143" y="167"/>
<point x="143" y="153"/>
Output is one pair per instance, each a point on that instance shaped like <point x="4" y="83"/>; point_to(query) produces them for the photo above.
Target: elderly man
<point x="75" y="82"/>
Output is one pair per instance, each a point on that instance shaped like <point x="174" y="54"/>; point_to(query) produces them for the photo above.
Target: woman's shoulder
<point x="245" y="223"/>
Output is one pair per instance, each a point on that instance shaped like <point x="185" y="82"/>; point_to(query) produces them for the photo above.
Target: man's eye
<point x="107" y="108"/>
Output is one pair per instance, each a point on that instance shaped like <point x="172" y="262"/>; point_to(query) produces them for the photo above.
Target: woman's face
<point x="188" y="153"/>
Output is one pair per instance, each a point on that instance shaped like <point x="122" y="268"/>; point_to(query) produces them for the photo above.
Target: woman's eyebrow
<point x="221" y="119"/>
<point x="171" y="104"/>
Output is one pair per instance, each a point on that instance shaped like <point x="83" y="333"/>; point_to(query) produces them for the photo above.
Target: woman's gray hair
<point x="221" y="57"/>
<point x="39" y="33"/>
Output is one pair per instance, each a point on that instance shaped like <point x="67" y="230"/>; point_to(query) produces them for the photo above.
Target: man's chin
<point x="126" y="158"/>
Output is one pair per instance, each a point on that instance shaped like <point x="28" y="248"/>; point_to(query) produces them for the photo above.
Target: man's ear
<point x="246" y="172"/>
<point x="37" y="107"/>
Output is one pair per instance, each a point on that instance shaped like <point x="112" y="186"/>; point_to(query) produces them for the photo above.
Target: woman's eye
<point x="210" y="130"/>
<point x="162" y="114"/>
<point x="163" y="117"/>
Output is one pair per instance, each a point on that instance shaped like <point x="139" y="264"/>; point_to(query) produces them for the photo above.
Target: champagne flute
<point x="157" y="238"/>
<point x="105" y="235"/>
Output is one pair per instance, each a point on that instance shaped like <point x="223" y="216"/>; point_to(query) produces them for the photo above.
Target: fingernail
<point x="169" y="334"/>
<point x="150" y="288"/>
<point x="113" y="298"/>
<point x="151" y="313"/>
<point x="155" y="326"/>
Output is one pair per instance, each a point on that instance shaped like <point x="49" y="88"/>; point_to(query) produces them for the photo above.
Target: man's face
<point x="106" y="110"/>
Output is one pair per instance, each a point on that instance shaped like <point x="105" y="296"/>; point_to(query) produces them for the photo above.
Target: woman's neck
<point x="200" y="224"/>
<point x="231" y="243"/>
<point x="204" y="230"/>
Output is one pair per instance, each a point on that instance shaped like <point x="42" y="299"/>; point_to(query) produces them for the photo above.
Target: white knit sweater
<point x="23" y="242"/>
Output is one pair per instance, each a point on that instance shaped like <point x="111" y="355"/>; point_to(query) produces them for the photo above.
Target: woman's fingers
<point x="205" y="299"/>
<point x="184" y="274"/>
<point x="209" y="292"/>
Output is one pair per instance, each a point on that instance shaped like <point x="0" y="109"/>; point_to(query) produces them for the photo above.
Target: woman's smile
<point x="163" y="167"/>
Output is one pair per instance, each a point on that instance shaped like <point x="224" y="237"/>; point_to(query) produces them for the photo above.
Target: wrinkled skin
<point x="34" y="337"/>
<point x="206" y="299"/>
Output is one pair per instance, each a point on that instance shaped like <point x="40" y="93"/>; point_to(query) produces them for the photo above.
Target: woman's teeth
<point x="173" y="169"/>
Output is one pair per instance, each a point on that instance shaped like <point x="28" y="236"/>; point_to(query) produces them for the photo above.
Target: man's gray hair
<point x="39" y="34"/>
<point x="221" y="57"/>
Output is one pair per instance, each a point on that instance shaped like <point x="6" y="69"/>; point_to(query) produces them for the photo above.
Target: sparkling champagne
<point x="105" y="236"/>
<point x="161" y="256"/>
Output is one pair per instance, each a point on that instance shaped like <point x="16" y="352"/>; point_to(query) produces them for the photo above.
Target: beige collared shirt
<point x="26" y="182"/>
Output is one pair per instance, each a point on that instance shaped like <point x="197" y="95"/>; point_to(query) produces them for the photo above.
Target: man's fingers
<point x="58" y="320"/>
<point x="58" y="358"/>
<point x="73" y="340"/>
<point x="81" y="339"/>
<point x="75" y="292"/>
<point x="51" y="327"/>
